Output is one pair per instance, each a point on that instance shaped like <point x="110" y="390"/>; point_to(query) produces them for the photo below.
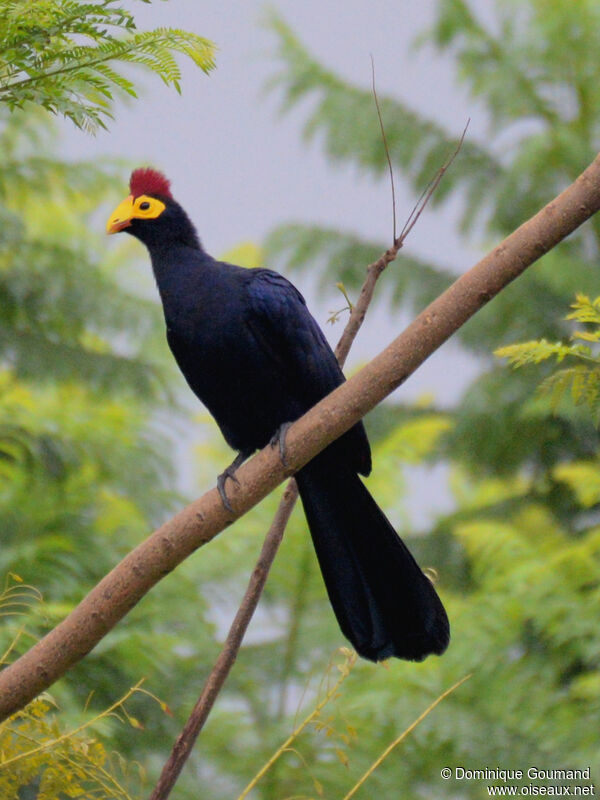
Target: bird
<point x="253" y="354"/>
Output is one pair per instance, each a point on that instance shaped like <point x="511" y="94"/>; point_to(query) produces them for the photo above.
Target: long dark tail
<point x="383" y="602"/>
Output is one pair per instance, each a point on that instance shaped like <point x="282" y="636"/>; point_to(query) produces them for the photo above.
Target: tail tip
<point x="410" y="646"/>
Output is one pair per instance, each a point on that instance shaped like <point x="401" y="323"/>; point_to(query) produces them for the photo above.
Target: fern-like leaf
<point x="62" y="56"/>
<point x="534" y="352"/>
<point x="585" y="310"/>
<point x="582" y="380"/>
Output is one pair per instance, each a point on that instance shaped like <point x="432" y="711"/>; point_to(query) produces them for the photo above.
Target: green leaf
<point x="534" y="352"/>
<point x="43" y="61"/>
<point x="583" y="477"/>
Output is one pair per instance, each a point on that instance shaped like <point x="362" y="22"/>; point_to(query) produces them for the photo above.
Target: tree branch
<point x="218" y="675"/>
<point x="203" y="519"/>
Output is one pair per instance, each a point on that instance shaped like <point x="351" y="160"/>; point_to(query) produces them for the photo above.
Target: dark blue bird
<point x="250" y="350"/>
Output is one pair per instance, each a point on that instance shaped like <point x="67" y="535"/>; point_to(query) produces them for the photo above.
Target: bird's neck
<point x="182" y="272"/>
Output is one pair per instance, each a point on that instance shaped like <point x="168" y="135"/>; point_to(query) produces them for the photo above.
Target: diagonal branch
<point x="195" y="525"/>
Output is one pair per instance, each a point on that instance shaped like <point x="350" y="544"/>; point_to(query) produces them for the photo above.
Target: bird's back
<point x="250" y="350"/>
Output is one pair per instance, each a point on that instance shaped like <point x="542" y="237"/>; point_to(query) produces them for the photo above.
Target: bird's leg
<point x="229" y="472"/>
<point x="278" y="440"/>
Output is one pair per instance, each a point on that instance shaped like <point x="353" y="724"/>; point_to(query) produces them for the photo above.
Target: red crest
<point x="146" y="180"/>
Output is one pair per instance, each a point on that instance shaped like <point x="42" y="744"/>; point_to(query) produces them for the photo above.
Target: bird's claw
<point x="229" y="472"/>
<point x="221" y="480"/>
<point x="278" y="440"/>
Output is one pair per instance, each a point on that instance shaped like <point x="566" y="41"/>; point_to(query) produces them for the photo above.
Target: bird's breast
<point x="233" y="380"/>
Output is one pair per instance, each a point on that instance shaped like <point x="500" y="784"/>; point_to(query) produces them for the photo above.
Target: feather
<point x="146" y="180"/>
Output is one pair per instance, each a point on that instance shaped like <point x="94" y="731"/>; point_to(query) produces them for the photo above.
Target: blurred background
<point x="277" y="156"/>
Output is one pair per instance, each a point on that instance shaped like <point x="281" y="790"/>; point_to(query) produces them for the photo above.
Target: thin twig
<point x="385" y="144"/>
<point x="375" y="269"/>
<point x="403" y="736"/>
<point x="430" y="189"/>
<point x="331" y="693"/>
<point x="186" y="739"/>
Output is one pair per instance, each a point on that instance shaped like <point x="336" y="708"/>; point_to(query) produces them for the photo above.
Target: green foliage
<point x="583" y="478"/>
<point x="85" y="466"/>
<point x="582" y="380"/>
<point x="38" y="756"/>
<point x="61" y="309"/>
<point x="245" y="254"/>
<point x="335" y="733"/>
<point x="62" y="55"/>
<point x="74" y="400"/>
<point x="329" y="721"/>
<point x="85" y="462"/>
<point x="517" y="555"/>
<point x="518" y="69"/>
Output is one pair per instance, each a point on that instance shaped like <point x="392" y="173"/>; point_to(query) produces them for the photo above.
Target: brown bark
<point x="195" y="525"/>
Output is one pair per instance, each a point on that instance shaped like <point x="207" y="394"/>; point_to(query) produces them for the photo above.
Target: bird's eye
<point x="144" y="206"/>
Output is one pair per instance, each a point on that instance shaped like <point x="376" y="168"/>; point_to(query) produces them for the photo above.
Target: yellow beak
<point x="121" y="216"/>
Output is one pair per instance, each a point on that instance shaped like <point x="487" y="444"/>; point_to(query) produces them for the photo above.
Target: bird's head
<point x="150" y="213"/>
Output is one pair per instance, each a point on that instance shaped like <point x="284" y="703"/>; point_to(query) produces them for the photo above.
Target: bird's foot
<point x="229" y="472"/>
<point x="278" y="440"/>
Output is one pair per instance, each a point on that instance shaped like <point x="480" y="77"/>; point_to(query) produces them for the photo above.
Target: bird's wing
<point x="289" y="335"/>
<point x="279" y="319"/>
